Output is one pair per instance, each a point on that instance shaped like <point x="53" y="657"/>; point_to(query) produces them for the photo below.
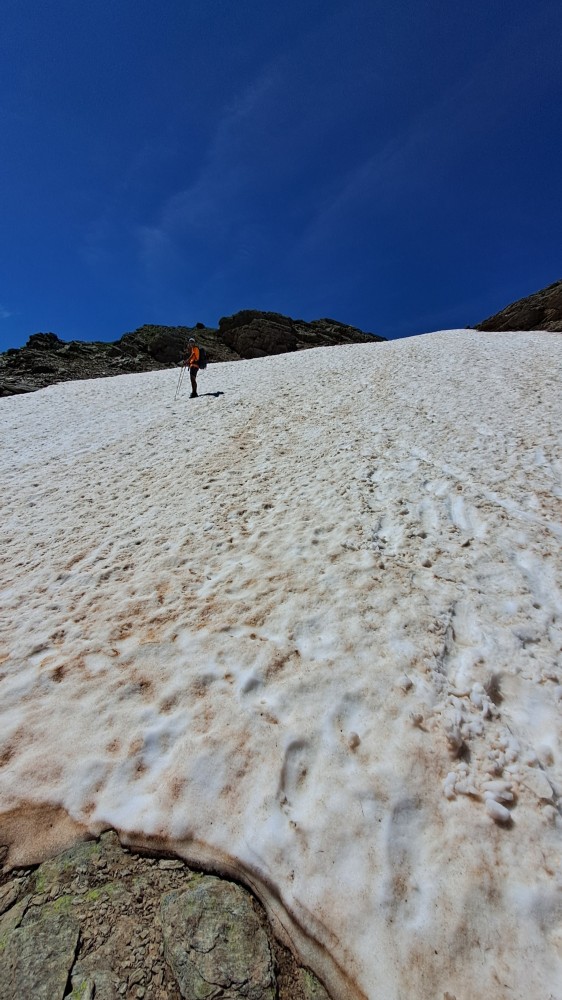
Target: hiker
<point x="193" y="364"/>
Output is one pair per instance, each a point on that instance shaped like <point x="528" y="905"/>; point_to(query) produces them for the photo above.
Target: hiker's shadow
<point x="215" y="394"/>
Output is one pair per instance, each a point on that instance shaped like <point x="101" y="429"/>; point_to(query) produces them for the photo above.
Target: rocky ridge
<point x="540" y="311"/>
<point x="102" y="922"/>
<point x="46" y="359"/>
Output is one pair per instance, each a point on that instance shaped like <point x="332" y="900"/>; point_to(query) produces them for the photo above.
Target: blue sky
<point x="395" y="165"/>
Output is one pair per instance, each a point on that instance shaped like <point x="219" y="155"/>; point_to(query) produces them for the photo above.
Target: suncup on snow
<point x="321" y="655"/>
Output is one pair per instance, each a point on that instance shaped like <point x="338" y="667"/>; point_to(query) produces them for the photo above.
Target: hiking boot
<point x="193" y="395"/>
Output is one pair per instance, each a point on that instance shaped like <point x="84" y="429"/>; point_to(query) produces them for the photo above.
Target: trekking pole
<point x="180" y="380"/>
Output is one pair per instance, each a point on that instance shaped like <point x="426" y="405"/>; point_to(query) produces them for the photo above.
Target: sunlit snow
<point x="308" y="631"/>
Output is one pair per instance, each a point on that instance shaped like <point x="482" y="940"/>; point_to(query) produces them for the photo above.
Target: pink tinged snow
<point x="307" y="632"/>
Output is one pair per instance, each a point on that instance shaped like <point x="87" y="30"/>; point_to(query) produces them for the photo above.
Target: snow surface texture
<point x="308" y="631"/>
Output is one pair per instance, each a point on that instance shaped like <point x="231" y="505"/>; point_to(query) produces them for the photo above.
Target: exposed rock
<point x="15" y="388"/>
<point x="215" y="943"/>
<point x="90" y="921"/>
<point x="8" y="896"/>
<point x="255" y="334"/>
<point x="104" y="966"/>
<point x="44" y="341"/>
<point x="38" y="955"/>
<point x="11" y="919"/>
<point x="46" y="359"/>
<point x="82" y="989"/>
<point x="540" y="311"/>
<point x="311" y="988"/>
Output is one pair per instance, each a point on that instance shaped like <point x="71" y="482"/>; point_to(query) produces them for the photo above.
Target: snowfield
<point x="308" y="632"/>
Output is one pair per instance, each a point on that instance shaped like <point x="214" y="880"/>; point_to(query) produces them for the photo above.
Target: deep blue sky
<point x="395" y="164"/>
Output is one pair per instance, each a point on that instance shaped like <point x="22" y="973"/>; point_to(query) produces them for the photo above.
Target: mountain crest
<point x="540" y="311"/>
<point x="46" y="359"/>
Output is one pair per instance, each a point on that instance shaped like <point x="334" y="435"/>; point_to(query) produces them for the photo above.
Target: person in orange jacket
<point x="193" y="364"/>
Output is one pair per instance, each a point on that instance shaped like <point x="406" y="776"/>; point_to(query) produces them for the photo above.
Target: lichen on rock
<point x="215" y="943"/>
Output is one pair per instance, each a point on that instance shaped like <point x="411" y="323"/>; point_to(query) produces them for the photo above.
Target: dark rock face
<point x="540" y="311"/>
<point x="255" y="334"/>
<point x="44" y="341"/>
<point x="46" y="360"/>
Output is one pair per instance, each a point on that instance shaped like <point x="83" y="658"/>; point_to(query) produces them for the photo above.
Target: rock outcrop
<point x="46" y="359"/>
<point x="100" y="922"/>
<point x="254" y="334"/>
<point x="540" y="311"/>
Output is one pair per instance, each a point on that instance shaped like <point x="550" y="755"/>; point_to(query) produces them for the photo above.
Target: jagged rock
<point x="8" y="896"/>
<point x="329" y="333"/>
<point x="46" y="359"/>
<point x="215" y="943"/>
<point x="38" y="955"/>
<point x="540" y="311"/>
<point x="254" y="334"/>
<point x="11" y="919"/>
<point x="44" y="341"/>
<point x="15" y="388"/>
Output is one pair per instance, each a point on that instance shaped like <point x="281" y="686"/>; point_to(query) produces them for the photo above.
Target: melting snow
<point x="308" y="631"/>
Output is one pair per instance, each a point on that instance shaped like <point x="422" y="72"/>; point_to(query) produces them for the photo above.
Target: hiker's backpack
<point x="202" y="357"/>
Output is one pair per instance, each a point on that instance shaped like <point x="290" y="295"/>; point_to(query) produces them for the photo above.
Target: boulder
<point x="38" y="954"/>
<point x="11" y="919"/>
<point x="215" y="943"/>
<point x="8" y="896"/>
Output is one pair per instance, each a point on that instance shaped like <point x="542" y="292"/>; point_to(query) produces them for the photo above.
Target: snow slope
<point x="308" y="631"/>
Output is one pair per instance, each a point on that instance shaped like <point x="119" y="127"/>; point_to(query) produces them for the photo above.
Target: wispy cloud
<point x="272" y="192"/>
<point x="267" y="135"/>
<point x="210" y="209"/>
<point x="5" y="313"/>
<point x="399" y="168"/>
<point x="424" y="149"/>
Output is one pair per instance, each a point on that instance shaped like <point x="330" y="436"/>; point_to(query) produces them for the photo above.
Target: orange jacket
<point x="193" y="360"/>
